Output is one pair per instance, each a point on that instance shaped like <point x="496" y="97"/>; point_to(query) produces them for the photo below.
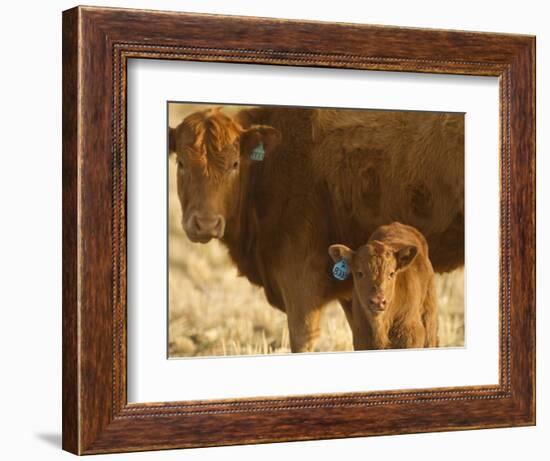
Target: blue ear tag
<point x="258" y="153"/>
<point x="340" y="270"/>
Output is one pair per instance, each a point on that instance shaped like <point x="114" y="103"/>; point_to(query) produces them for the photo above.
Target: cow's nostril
<point x="207" y="225"/>
<point x="220" y="228"/>
<point x="218" y="225"/>
<point x="202" y="223"/>
<point x="196" y="223"/>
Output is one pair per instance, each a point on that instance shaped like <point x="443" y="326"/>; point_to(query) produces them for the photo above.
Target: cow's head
<point x="213" y="155"/>
<point x="374" y="267"/>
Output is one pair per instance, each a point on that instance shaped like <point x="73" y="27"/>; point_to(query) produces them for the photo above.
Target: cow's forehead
<point x="209" y="140"/>
<point x="208" y="132"/>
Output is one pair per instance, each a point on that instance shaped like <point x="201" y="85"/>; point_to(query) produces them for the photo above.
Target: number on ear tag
<point x="258" y="153"/>
<point x="340" y="270"/>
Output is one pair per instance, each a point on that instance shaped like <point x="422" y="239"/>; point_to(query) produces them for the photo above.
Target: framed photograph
<point x="280" y="230"/>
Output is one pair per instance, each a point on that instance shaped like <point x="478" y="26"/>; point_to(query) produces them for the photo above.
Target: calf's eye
<point x="236" y="164"/>
<point x="392" y="274"/>
<point x="360" y="274"/>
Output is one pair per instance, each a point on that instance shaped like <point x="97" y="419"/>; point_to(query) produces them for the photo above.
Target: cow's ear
<point x="259" y="141"/>
<point x="171" y="140"/>
<point x="339" y="252"/>
<point x="404" y="256"/>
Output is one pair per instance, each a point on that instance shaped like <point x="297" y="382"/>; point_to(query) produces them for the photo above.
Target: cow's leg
<point x="361" y="329"/>
<point x="348" y="310"/>
<point x="303" y="327"/>
<point x="303" y="304"/>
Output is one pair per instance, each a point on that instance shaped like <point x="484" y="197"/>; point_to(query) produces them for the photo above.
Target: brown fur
<point x="276" y="216"/>
<point x="394" y="304"/>
<point x="395" y="166"/>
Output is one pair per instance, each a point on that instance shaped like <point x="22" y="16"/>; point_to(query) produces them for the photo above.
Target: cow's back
<point x="381" y="166"/>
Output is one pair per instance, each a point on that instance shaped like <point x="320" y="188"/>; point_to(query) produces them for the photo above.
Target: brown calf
<point x="394" y="303"/>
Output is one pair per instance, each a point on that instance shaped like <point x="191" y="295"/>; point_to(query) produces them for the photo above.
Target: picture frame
<point x="97" y="44"/>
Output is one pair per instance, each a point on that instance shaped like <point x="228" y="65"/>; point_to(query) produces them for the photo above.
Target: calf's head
<point x="374" y="268"/>
<point x="213" y="155"/>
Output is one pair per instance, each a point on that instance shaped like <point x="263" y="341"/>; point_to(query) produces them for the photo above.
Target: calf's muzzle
<point x="377" y="303"/>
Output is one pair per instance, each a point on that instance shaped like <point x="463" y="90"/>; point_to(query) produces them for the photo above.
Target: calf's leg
<point x="380" y="333"/>
<point x="411" y="333"/>
<point x="430" y="318"/>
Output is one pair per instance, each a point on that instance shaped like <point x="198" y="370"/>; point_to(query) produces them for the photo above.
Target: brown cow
<point x="251" y="181"/>
<point x="394" y="303"/>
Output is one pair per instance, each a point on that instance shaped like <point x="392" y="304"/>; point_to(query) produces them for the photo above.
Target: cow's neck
<point x="241" y="226"/>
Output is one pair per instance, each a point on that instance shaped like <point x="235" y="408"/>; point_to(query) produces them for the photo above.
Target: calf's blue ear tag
<point x="258" y="153"/>
<point x="340" y="270"/>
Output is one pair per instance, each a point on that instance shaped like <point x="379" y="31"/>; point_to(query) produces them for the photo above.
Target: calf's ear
<point x="171" y="140"/>
<point x="339" y="252"/>
<point x="404" y="256"/>
<point x="259" y="141"/>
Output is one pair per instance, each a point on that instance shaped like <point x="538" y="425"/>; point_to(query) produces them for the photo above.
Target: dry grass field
<point x="212" y="311"/>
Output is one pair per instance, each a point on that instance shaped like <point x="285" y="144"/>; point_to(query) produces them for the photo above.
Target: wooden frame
<point x="97" y="43"/>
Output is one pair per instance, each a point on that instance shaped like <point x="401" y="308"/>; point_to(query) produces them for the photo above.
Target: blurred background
<point x="213" y="311"/>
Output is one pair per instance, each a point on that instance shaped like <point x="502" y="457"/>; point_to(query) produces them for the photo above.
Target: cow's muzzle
<point x="204" y="227"/>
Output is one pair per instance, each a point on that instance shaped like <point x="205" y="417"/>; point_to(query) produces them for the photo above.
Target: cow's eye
<point x="392" y="275"/>
<point x="235" y="164"/>
<point x="180" y="164"/>
<point x="360" y="274"/>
